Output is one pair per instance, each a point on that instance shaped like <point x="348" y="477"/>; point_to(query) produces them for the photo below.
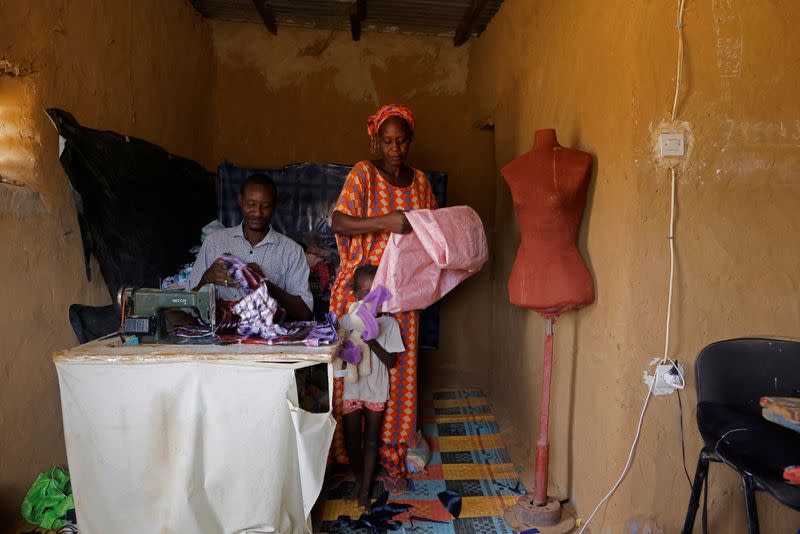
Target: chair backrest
<point x="738" y="372"/>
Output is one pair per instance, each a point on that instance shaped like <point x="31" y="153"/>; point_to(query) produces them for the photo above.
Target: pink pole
<point x="543" y="443"/>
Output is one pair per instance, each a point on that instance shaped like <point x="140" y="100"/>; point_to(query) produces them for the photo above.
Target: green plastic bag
<point x="49" y="500"/>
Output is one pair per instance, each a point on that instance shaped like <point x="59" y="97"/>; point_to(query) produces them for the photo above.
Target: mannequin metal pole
<point x="537" y="510"/>
<point x="543" y="443"/>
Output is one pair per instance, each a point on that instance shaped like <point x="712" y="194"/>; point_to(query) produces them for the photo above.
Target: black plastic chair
<point x="732" y="376"/>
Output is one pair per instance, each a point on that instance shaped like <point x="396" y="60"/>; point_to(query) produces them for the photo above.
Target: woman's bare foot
<point x="363" y="496"/>
<point x="363" y="502"/>
<point x="355" y="493"/>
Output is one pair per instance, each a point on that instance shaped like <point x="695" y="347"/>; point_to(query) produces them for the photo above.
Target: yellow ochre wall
<point x="603" y="75"/>
<point x="139" y="68"/>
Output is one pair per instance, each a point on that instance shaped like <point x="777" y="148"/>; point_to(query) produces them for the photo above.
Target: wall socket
<point x="661" y="387"/>
<point x="671" y="145"/>
<point x="667" y="379"/>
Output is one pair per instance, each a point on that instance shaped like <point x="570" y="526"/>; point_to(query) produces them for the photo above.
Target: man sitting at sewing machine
<point x="269" y="254"/>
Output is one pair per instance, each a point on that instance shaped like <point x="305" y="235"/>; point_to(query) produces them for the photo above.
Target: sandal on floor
<point x="395" y="485"/>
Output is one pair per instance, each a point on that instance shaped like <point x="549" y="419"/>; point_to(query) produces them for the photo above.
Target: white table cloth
<point x="192" y="439"/>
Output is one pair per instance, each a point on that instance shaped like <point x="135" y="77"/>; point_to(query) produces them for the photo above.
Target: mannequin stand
<point x="537" y="509"/>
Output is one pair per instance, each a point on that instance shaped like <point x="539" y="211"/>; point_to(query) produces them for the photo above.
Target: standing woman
<point x="370" y="208"/>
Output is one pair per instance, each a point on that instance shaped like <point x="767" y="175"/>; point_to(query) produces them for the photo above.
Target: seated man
<point x="270" y="255"/>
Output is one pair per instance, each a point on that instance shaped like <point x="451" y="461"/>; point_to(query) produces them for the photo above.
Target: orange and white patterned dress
<point x="367" y="194"/>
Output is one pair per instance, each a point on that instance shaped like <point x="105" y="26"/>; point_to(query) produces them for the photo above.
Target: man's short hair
<point x="259" y="179"/>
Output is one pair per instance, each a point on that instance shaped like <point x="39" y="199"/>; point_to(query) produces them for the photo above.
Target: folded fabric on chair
<point x="447" y="246"/>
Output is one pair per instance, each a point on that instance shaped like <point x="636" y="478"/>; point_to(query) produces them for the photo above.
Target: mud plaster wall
<point x="305" y="95"/>
<point x="141" y="68"/>
<point x="602" y="74"/>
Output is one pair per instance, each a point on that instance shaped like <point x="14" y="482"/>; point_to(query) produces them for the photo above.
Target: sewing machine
<point x="143" y="310"/>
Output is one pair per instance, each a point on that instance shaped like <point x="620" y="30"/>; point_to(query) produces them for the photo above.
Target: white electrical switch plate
<point x="671" y="144"/>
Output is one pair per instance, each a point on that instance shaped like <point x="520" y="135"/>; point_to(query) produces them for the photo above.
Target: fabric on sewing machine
<point x="239" y="271"/>
<point x="252" y="320"/>
<point x="308" y="333"/>
<point x="256" y="313"/>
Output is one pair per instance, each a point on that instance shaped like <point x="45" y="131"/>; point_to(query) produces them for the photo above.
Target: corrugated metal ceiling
<point x="426" y="17"/>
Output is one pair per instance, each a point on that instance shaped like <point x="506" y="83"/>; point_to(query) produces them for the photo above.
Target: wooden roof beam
<point x="358" y="12"/>
<point x="469" y="21"/>
<point x="267" y="15"/>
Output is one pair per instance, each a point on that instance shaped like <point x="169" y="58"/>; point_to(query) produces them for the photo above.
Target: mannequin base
<point x="548" y="518"/>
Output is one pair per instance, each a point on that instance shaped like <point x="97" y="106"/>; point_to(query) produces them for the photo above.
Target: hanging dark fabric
<point x="140" y="208"/>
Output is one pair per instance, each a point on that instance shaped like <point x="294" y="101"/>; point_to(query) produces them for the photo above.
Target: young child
<point x="365" y="400"/>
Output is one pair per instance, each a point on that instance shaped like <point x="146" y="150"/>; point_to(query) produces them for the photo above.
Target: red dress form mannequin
<point x="549" y="185"/>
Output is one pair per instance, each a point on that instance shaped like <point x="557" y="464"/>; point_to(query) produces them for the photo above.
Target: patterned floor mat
<point x="468" y="456"/>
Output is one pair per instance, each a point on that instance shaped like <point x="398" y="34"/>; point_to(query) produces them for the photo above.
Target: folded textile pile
<point x="308" y="333"/>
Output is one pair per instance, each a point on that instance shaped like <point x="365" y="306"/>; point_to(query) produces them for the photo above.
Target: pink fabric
<point x="447" y="246"/>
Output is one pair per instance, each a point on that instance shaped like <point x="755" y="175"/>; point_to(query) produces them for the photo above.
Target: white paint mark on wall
<point x="728" y="30"/>
<point x="19" y="201"/>
<point x="771" y="134"/>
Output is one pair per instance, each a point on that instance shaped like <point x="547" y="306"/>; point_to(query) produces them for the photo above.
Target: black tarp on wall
<point x="140" y="209"/>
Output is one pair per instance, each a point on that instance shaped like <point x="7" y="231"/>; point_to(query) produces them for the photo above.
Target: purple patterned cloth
<point x="306" y="333"/>
<point x="255" y="323"/>
<point x="253" y="318"/>
<point x="256" y="313"/>
<point x="241" y="273"/>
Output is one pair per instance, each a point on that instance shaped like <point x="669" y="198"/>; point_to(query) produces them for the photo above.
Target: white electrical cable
<point x="671" y="236"/>
<point x="628" y="462"/>
<point x="671" y="267"/>
<point x="663" y="360"/>
<point x="679" y="26"/>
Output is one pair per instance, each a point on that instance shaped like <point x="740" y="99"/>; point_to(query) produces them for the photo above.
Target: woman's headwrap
<point x="380" y="116"/>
